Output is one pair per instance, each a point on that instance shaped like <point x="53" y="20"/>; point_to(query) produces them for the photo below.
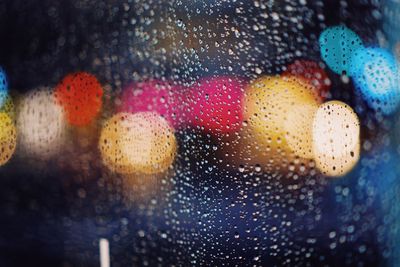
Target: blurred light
<point x="154" y="95"/>
<point x="8" y="107"/>
<point x="104" y="246"/>
<point x="3" y="86"/>
<point x="217" y="104"/>
<point x="310" y="73"/>
<point x="8" y="138"/>
<point x="41" y="124"/>
<point x="80" y="94"/>
<point x="137" y="143"/>
<point x="375" y="74"/>
<point x="298" y="129"/>
<point x="337" y="45"/>
<point x="336" y="138"/>
<point x="271" y="104"/>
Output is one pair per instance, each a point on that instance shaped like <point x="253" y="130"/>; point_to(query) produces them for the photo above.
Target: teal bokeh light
<point x="337" y="45"/>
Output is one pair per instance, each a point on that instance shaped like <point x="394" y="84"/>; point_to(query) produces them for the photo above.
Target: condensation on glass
<point x="190" y="133"/>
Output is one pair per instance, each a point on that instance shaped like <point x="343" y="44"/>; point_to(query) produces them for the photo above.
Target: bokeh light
<point x="41" y="124"/>
<point x="163" y="97"/>
<point x="337" y="45"/>
<point x="137" y="143"/>
<point x="8" y="138"/>
<point x="298" y="129"/>
<point x="217" y="104"/>
<point x="270" y="107"/>
<point x="336" y="138"/>
<point x="375" y="75"/>
<point x="310" y="72"/>
<point x="3" y="86"/>
<point x="166" y="135"/>
<point x="80" y="94"/>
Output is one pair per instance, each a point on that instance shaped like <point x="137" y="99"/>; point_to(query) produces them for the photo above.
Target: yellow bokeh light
<point x="298" y="128"/>
<point x="8" y="138"/>
<point x="41" y="124"/>
<point x="137" y="143"/>
<point x="279" y="112"/>
<point x="336" y="138"/>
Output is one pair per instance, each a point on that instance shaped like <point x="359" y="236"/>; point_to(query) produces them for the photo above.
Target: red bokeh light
<point x="217" y="104"/>
<point x="80" y="94"/>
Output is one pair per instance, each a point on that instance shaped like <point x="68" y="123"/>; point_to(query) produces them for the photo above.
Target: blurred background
<point x="202" y="191"/>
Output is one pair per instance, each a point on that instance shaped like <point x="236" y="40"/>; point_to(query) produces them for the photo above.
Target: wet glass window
<point x="199" y="133"/>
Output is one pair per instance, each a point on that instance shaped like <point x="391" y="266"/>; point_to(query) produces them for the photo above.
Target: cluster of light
<point x="213" y="104"/>
<point x="288" y="122"/>
<point x="336" y="134"/>
<point x="337" y="46"/>
<point x="284" y="118"/>
<point x="8" y="132"/>
<point x="41" y="124"/>
<point x="374" y="70"/>
<point x="8" y="138"/>
<point x="142" y="142"/>
<point x="80" y="94"/>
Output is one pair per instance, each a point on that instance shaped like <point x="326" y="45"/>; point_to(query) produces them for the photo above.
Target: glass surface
<point x="199" y="133"/>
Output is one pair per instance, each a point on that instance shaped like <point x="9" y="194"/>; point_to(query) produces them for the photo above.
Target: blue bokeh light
<point x="3" y="86"/>
<point x="374" y="73"/>
<point x="337" y="45"/>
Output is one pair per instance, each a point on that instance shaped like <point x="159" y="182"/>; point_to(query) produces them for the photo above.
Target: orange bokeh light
<point x="80" y="94"/>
